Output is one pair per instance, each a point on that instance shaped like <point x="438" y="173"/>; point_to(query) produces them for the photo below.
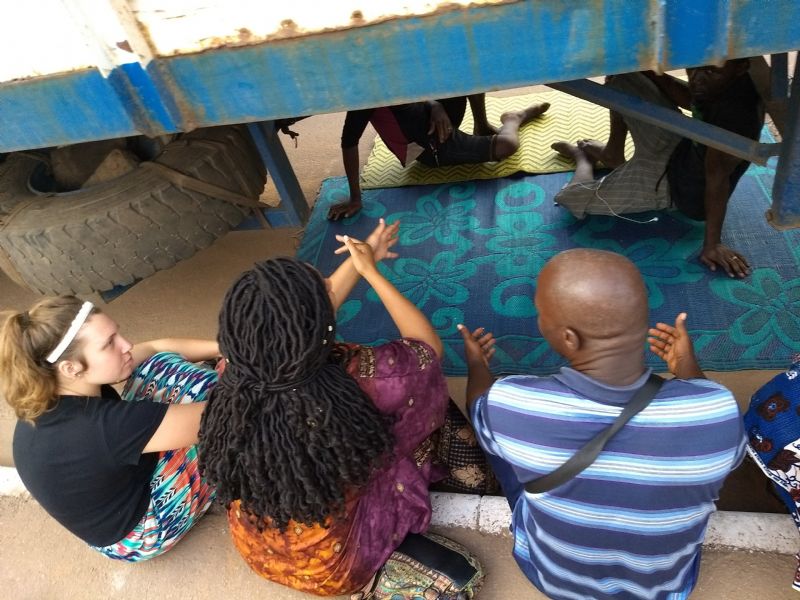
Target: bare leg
<point x="612" y="153"/>
<point x="353" y="205"/>
<point x="506" y="141"/>
<point x="477" y="103"/>
<point x="592" y="148"/>
<point x="584" y="170"/>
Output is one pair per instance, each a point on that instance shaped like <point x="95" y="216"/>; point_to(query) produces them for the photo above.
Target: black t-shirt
<point x="413" y="120"/>
<point x="739" y="109"/>
<point x="83" y="463"/>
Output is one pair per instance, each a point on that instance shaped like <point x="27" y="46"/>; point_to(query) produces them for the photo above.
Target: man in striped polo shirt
<point x="630" y="525"/>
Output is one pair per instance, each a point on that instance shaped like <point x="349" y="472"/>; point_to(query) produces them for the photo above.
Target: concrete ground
<point x="40" y="560"/>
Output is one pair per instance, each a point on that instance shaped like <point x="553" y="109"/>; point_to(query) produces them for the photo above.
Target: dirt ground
<point x="39" y="560"/>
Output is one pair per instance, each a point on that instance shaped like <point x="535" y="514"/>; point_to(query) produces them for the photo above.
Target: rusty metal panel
<point x="434" y="50"/>
<point x="711" y="31"/>
<point x="440" y="55"/>
<point x="82" y="106"/>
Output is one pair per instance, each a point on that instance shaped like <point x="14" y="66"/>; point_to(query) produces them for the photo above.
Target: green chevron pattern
<point x="569" y="118"/>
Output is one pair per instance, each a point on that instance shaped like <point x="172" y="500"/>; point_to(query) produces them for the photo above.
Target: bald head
<point x="598" y="294"/>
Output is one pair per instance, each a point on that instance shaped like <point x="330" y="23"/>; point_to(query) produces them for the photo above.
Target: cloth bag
<point x="426" y="567"/>
<point x="772" y="423"/>
<point x="457" y="448"/>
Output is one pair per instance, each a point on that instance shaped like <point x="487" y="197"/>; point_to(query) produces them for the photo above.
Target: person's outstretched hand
<point x="344" y="210"/>
<point x="673" y="345"/>
<point x="735" y="264"/>
<point x="382" y="239"/>
<point x="478" y="345"/>
<point x="360" y="252"/>
<point x="440" y="123"/>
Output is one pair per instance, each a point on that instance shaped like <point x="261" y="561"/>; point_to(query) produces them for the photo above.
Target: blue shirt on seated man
<point x="630" y="525"/>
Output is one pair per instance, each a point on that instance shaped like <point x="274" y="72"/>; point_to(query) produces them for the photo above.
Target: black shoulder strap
<point x="588" y="454"/>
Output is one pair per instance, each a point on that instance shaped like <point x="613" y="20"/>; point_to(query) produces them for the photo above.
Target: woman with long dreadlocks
<point x="321" y="451"/>
<point x="119" y="472"/>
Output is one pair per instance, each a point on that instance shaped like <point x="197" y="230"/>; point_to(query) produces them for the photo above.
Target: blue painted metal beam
<point x="67" y="109"/>
<point x="779" y="80"/>
<point x="449" y="52"/>
<point x="294" y="208"/>
<point x="785" y="211"/>
<point x="152" y="110"/>
<point x="672" y="120"/>
<point x="475" y="49"/>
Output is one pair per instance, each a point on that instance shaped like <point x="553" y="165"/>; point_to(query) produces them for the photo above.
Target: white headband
<point x="76" y="325"/>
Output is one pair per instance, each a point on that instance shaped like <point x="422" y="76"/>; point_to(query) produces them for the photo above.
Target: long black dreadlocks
<point x="287" y="431"/>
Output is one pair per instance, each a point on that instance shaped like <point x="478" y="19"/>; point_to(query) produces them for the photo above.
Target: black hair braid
<point x="287" y="431"/>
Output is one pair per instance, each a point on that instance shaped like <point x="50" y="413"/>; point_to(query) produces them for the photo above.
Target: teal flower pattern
<point x="471" y="253"/>
<point x="520" y="196"/>
<point x="446" y="320"/>
<point x="435" y="222"/>
<point x="772" y="308"/>
<point x="347" y="311"/>
<point x="661" y="263"/>
<point x="514" y="297"/>
<point x="518" y="245"/>
<point x="419" y="281"/>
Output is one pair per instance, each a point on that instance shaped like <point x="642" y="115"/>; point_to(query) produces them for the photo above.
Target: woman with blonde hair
<point x="121" y="473"/>
<point x="118" y="472"/>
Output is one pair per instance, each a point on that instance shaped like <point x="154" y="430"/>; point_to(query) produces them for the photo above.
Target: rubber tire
<point x="121" y="231"/>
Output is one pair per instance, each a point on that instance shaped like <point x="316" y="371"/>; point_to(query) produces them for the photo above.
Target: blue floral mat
<point x="470" y="252"/>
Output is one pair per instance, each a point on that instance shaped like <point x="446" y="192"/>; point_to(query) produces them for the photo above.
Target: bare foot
<point x="567" y="150"/>
<point x="599" y="152"/>
<point x="525" y="115"/>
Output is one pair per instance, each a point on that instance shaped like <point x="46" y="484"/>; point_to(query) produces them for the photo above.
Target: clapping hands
<point x="382" y="239"/>
<point x="362" y="254"/>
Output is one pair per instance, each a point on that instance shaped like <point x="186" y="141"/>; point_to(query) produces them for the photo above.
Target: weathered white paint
<point x="39" y="37"/>
<point x="44" y="37"/>
<point x="184" y="26"/>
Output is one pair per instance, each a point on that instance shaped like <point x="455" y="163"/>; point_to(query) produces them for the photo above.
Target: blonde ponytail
<point x="27" y="381"/>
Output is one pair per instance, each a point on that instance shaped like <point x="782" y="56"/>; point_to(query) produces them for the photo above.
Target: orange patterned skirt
<point x="316" y="559"/>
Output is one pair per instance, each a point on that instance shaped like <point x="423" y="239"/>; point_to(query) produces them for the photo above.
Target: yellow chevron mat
<point x="568" y="119"/>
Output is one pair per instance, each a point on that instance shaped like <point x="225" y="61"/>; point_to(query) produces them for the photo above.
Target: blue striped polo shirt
<point x="630" y="525"/>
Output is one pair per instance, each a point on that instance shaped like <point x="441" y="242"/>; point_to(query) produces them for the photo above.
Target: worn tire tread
<point x="124" y="230"/>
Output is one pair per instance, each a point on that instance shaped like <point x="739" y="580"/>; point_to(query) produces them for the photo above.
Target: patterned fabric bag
<point x="458" y="450"/>
<point x="772" y="423"/>
<point x="426" y="567"/>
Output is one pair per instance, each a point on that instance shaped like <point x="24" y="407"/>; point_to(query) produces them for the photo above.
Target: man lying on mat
<point x="428" y="132"/>
<point x="667" y="170"/>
